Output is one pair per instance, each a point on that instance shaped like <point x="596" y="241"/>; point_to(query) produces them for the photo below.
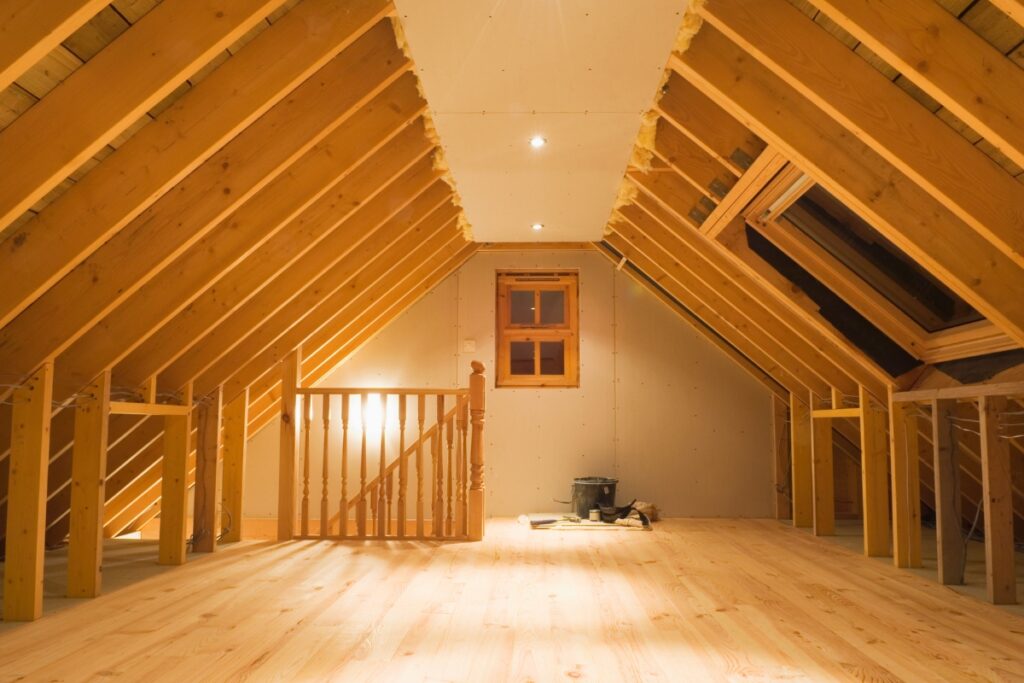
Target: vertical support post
<point x="421" y="416"/>
<point x="450" y="435"/>
<point x="306" y="403"/>
<point x="236" y="418"/>
<point x="88" y="475"/>
<point x="382" y="499"/>
<point x="343" y="505"/>
<point x="477" y="384"/>
<point x="949" y="542"/>
<point x="290" y="368"/>
<point x="996" y="482"/>
<point x="800" y="448"/>
<point x="437" y="449"/>
<point x="780" y="448"/>
<point x="823" y="476"/>
<point x="204" y="515"/>
<point x="874" y="468"/>
<point x="325" y="473"/>
<point x="26" y="496"/>
<point x="174" y="483"/>
<point x="403" y="466"/>
<point x="906" y="484"/>
<point x="361" y="504"/>
<point x="461" y="419"/>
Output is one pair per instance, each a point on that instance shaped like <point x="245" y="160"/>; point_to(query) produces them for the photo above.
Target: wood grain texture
<point x="700" y="600"/>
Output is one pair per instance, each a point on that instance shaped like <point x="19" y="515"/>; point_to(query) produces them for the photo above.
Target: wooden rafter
<point x="231" y="98"/>
<point x="975" y="269"/>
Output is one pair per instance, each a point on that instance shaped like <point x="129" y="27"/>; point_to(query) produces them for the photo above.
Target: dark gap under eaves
<point x="889" y="355"/>
<point x="981" y="368"/>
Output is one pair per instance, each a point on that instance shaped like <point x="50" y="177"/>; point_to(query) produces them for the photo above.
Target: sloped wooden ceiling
<point x="772" y="105"/>
<point x="195" y="190"/>
<point x="200" y="189"/>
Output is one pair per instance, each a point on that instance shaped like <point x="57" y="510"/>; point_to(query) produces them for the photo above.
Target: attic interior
<point x="313" y="311"/>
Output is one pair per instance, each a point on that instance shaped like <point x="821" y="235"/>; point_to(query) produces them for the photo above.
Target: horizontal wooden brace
<point x="132" y="408"/>
<point x="828" y="413"/>
<point x="965" y="391"/>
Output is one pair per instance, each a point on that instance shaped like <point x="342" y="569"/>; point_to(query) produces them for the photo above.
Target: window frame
<point x="507" y="332"/>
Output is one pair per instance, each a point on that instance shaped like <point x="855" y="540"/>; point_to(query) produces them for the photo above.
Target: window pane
<point x="552" y="358"/>
<point x="521" y="303"/>
<point x="552" y="307"/>
<point x="521" y="357"/>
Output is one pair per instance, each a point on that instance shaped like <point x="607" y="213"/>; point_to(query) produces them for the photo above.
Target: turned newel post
<point x="476" y="452"/>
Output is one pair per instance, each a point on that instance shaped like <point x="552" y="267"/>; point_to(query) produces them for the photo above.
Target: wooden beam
<point x="801" y="457"/>
<point x="964" y="341"/>
<point x="709" y="315"/>
<point x="209" y="115"/>
<point x="88" y="478"/>
<point x="158" y="409"/>
<point x="866" y="102"/>
<point x="252" y="159"/>
<point x="830" y="413"/>
<point x="252" y="244"/>
<point x="823" y="478"/>
<point x="704" y="269"/>
<point x="236" y="419"/>
<point x="996" y="480"/>
<point x="289" y="439"/>
<point x="902" y="211"/>
<point x="708" y="125"/>
<point x="26" y="498"/>
<point x="781" y="451"/>
<point x="205" y="520"/>
<point x="702" y="170"/>
<point x="906" y="484"/>
<point x="946" y="59"/>
<point x="650" y="282"/>
<point x="537" y="246"/>
<point x="147" y="62"/>
<point x="874" y="467"/>
<point x="963" y="391"/>
<point x="174" y="484"/>
<point x="1013" y="9"/>
<point x="760" y="173"/>
<point x="949" y="542"/>
<point x="31" y="29"/>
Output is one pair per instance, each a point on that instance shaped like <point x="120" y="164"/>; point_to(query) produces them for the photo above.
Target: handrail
<point x="391" y="391"/>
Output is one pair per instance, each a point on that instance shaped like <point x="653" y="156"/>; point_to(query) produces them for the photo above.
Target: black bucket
<point x="592" y="492"/>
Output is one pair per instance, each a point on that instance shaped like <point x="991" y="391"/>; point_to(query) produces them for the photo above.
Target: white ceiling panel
<point x="578" y="72"/>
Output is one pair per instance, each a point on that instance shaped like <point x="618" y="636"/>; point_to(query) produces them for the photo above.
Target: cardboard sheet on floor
<point x="562" y="521"/>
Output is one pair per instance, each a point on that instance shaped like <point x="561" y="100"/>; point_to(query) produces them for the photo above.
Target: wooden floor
<point x="699" y="600"/>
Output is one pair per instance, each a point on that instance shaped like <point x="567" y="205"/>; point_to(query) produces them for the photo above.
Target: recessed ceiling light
<point x="537" y="227"/>
<point x="538" y="141"/>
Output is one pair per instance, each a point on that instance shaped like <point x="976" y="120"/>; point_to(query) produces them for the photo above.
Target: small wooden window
<point x="538" y="329"/>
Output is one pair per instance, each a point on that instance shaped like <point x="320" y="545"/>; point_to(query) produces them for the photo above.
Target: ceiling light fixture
<point x="537" y="227"/>
<point x="538" y="141"/>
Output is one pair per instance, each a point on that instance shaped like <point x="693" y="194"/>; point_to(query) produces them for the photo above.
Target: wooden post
<point x="204" y="515"/>
<point x="906" y="484"/>
<point x="382" y="500"/>
<point x="948" y="514"/>
<point x="421" y="416"/>
<point x="461" y="418"/>
<point x="450" y="434"/>
<point x="874" y="467"/>
<point x="325" y="515"/>
<point x="437" y="450"/>
<point x="800" y="447"/>
<point x="477" y="384"/>
<point x="290" y="368"/>
<point x="780" y="449"/>
<point x="823" y="477"/>
<point x="997" y="482"/>
<point x="306" y="402"/>
<point x="88" y="475"/>
<point x="361" y="503"/>
<point x="343" y="505"/>
<point x="26" y="496"/>
<point x="236" y="419"/>
<point x="174" y="484"/>
<point x="403" y="468"/>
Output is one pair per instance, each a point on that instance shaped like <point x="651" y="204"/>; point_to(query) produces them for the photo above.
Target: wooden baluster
<point x="403" y="473"/>
<point x="438" y="449"/>
<point x="307" y="418"/>
<point x="373" y="509"/>
<point x="382" y="501"/>
<point x="343" y="505"/>
<point x="461" y="405"/>
<point x="450" y="434"/>
<point x="421" y="415"/>
<point x="325" y="520"/>
<point x="477" y="383"/>
<point x="389" y="494"/>
<point x="361" y="506"/>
